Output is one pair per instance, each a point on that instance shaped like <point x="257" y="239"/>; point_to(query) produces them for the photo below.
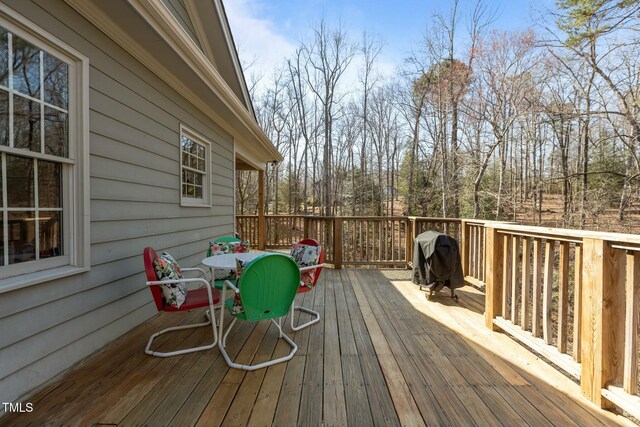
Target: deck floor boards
<point x="382" y="354"/>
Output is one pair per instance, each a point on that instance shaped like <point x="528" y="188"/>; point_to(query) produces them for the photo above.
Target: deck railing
<point x="572" y="296"/>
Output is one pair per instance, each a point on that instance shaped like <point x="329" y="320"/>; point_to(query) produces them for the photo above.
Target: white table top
<point x="229" y="260"/>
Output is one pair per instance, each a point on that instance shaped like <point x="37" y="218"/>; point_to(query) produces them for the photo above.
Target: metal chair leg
<point x="315" y="319"/>
<point x="232" y="364"/>
<point x="209" y="314"/>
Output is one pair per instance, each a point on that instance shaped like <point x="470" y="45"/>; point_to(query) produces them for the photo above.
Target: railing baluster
<point x="577" y="302"/>
<point x="548" y="283"/>
<point x="563" y="292"/>
<point x="477" y="251"/>
<point x="506" y="275"/>
<point x="526" y="287"/>
<point x="632" y="296"/>
<point x="480" y="252"/>
<point x="472" y="251"/>
<point x="537" y="287"/>
<point x="514" y="279"/>
<point x="474" y="259"/>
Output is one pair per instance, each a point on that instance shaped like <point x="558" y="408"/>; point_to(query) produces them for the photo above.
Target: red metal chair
<point x="315" y="271"/>
<point x="203" y="297"/>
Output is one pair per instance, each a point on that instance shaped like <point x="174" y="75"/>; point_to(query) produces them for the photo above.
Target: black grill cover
<point x="436" y="261"/>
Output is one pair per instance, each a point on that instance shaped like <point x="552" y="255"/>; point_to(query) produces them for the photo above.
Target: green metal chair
<point x="267" y="287"/>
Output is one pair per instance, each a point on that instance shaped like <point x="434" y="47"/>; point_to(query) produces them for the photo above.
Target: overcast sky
<point x="267" y="31"/>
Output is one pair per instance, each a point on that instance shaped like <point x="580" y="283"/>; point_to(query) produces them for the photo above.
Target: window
<point x="43" y="166"/>
<point x="194" y="169"/>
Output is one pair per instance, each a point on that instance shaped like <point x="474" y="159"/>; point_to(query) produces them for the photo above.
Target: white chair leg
<point x="315" y="319"/>
<point x="209" y="315"/>
<point x="232" y="364"/>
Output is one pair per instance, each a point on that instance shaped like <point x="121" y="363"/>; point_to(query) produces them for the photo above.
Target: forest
<point x="540" y="126"/>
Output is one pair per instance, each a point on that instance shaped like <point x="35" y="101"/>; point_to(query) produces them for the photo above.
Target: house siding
<point x="179" y="11"/>
<point x="135" y="202"/>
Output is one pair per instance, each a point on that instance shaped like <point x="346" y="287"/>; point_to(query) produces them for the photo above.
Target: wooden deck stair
<point x="381" y="355"/>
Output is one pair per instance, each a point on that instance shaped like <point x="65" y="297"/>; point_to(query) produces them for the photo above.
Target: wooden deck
<point x="381" y="355"/>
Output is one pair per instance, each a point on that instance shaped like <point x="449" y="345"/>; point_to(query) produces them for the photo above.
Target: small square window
<point x="195" y="176"/>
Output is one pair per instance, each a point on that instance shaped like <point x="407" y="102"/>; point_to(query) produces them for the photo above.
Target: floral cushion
<point x="227" y="248"/>
<point x="219" y="248"/>
<point x="168" y="269"/>
<point x="306" y="255"/>
<point x="237" y="307"/>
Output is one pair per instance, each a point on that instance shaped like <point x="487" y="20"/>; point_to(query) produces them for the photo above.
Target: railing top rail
<point x="434" y="219"/>
<point x="365" y="217"/>
<point x="566" y="233"/>
<point x="372" y="218"/>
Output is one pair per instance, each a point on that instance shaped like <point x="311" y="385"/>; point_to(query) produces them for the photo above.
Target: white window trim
<point x="76" y="189"/>
<point x="205" y="202"/>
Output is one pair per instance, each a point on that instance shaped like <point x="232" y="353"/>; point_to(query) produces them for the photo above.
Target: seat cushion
<point x="219" y="248"/>
<point x="236" y="306"/>
<point x="306" y="255"/>
<point x="196" y="299"/>
<point x="168" y="269"/>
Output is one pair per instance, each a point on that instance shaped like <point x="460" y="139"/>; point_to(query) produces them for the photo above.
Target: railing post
<point x="411" y="238"/>
<point x="337" y="243"/>
<point x="306" y="225"/>
<point x="464" y="246"/>
<point x="603" y="311"/>
<point x="262" y="223"/>
<point x="494" y="260"/>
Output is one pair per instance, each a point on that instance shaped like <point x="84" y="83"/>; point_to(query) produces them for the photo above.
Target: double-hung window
<point x="195" y="154"/>
<point x="43" y="163"/>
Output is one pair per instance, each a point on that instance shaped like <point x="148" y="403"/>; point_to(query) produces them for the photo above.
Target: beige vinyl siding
<point x="179" y="11"/>
<point x="135" y="202"/>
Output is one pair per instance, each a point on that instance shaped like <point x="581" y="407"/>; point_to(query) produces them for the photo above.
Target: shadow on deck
<point x="381" y="355"/>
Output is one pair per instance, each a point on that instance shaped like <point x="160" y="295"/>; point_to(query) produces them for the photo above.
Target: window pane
<point x="56" y="138"/>
<point x="200" y="165"/>
<point x="198" y="192"/>
<point x="186" y="144"/>
<point x="26" y="67"/>
<point x="185" y="159"/>
<point x="20" y="177"/>
<point x="22" y="233"/>
<point x="56" y="81"/>
<point x="184" y="189"/>
<point x="4" y="58"/>
<point x="49" y="184"/>
<point x="4" y="117"/>
<point x="26" y="123"/>
<point x="197" y="179"/>
<point x="50" y="224"/>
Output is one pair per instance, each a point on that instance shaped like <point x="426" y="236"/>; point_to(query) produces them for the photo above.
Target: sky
<point x="268" y="31"/>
